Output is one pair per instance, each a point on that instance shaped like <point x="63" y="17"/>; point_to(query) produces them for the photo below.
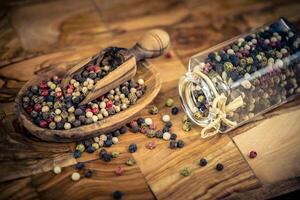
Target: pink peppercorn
<point x="43" y="123"/>
<point x="88" y="110"/>
<point x="95" y="110"/>
<point x="37" y="107"/>
<point x="90" y="68"/>
<point x="168" y="54"/>
<point x="97" y="69"/>
<point x="44" y="92"/>
<point x="28" y="109"/>
<point x="109" y="104"/>
<point x="69" y="90"/>
<point x="152" y="126"/>
<point x="133" y="124"/>
<point x="252" y="154"/>
<point x="119" y="171"/>
<point x="151" y="145"/>
<point x="144" y="130"/>
<point x="43" y="85"/>
<point x="58" y="94"/>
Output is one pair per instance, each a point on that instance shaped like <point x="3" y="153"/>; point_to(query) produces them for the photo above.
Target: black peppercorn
<point x="202" y="162"/>
<point x="123" y="129"/>
<point x="90" y="149"/>
<point x="173" y="136"/>
<point x="168" y="124"/>
<point x="174" y="111"/>
<point x="79" y="165"/>
<point x="117" y="195"/>
<point x="159" y="134"/>
<point x="88" y="174"/>
<point x="219" y="167"/>
<point x="132" y="148"/>
<point x="165" y="129"/>
<point x="76" y="154"/>
<point x="180" y="143"/>
<point x="106" y="157"/>
<point x="140" y="121"/>
<point x="173" y="144"/>
<point x="108" y="143"/>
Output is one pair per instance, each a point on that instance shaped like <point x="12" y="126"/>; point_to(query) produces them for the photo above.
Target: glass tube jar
<point x="261" y="67"/>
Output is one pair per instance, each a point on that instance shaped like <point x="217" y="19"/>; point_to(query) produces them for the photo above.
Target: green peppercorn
<point x="186" y="171"/>
<point x="187" y="126"/>
<point x="153" y="110"/>
<point x="228" y="67"/>
<point x="169" y="102"/>
<point x="80" y="147"/>
<point x="130" y="162"/>
<point x="115" y="154"/>
<point x="150" y="133"/>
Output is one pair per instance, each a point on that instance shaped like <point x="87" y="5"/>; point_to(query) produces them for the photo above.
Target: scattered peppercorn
<point x="186" y="171"/>
<point x="151" y="145"/>
<point x="115" y="154"/>
<point x="252" y="154"/>
<point x="130" y="162"/>
<point x="153" y="110"/>
<point x="79" y="165"/>
<point x="169" y="102"/>
<point x="219" y="167"/>
<point x="119" y="171"/>
<point x="180" y="143"/>
<point x="88" y="173"/>
<point x="173" y="144"/>
<point x="203" y="162"/>
<point x="117" y="195"/>
<point x="57" y="170"/>
<point x="132" y="148"/>
<point x="175" y="111"/>
<point x="75" y="176"/>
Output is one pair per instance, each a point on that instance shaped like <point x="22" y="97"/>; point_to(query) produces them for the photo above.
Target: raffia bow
<point x="219" y="109"/>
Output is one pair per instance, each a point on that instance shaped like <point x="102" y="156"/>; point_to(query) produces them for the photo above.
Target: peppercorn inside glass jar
<point x="231" y="83"/>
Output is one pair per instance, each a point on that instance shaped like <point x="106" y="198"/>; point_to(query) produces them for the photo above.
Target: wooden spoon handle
<point x="152" y="44"/>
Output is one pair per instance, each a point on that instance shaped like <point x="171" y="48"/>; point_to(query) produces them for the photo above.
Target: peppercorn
<point x="108" y="143"/>
<point x="168" y="124"/>
<point x="57" y="170"/>
<point x="88" y="174"/>
<point x="130" y="162"/>
<point x="166" y="136"/>
<point x="202" y="162"/>
<point x="169" y="102"/>
<point x="159" y="134"/>
<point x="166" y="118"/>
<point x="117" y="195"/>
<point x="79" y="165"/>
<point x="187" y="126"/>
<point x="150" y="133"/>
<point x="119" y="171"/>
<point x="173" y="144"/>
<point x="175" y="111"/>
<point x="106" y="157"/>
<point x="173" y="136"/>
<point x="180" y="143"/>
<point x="76" y="153"/>
<point x="219" y="167"/>
<point x="75" y="176"/>
<point x="186" y="171"/>
<point x="153" y="110"/>
<point x="123" y="129"/>
<point x="252" y="154"/>
<point x="115" y="154"/>
<point x="165" y="129"/>
<point x="151" y="145"/>
<point x="132" y="148"/>
<point x="135" y="129"/>
<point x="148" y="121"/>
<point x="90" y="149"/>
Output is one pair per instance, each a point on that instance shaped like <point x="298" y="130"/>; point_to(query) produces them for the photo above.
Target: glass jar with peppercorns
<point x="231" y="83"/>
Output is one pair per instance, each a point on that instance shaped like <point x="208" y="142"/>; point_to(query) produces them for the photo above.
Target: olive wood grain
<point x="145" y="71"/>
<point x="152" y="44"/>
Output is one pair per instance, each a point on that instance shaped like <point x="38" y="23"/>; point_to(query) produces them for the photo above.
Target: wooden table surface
<point x="36" y="35"/>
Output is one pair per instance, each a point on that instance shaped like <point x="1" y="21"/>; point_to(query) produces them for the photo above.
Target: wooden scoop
<point x="151" y="45"/>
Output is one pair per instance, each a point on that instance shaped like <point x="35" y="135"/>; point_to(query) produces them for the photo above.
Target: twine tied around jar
<point x="219" y="109"/>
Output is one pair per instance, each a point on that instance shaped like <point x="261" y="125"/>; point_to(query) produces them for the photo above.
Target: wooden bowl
<point x="145" y="71"/>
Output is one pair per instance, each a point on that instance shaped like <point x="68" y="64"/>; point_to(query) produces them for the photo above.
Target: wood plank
<point x="276" y="141"/>
<point x="39" y="25"/>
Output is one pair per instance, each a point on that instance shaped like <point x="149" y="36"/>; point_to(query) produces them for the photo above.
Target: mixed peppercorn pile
<point x="261" y="67"/>
<point x="51" y="106"/>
